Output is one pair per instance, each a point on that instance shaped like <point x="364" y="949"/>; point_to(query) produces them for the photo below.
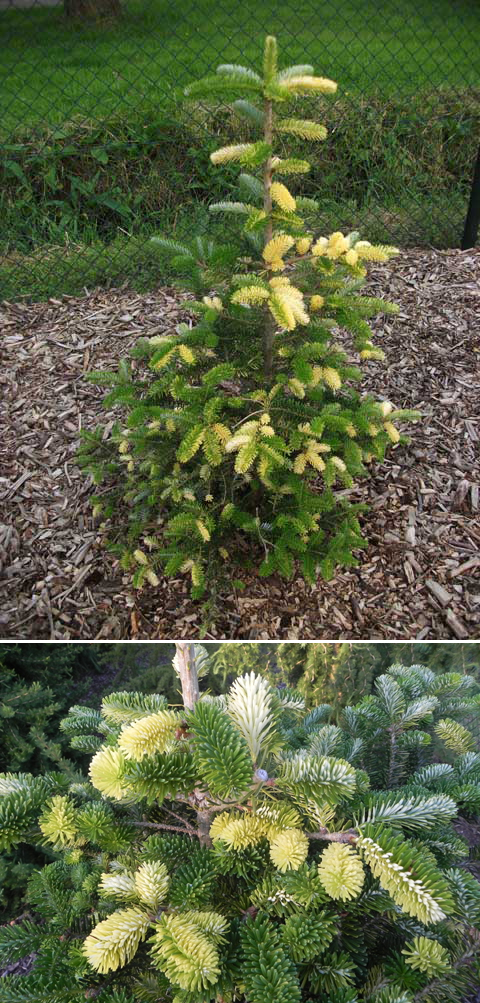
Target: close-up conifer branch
<point x="238" y="848"/>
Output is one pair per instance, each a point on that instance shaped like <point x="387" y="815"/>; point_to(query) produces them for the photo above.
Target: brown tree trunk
<point x="92" y="10"/>
<point x="184" y="663"/>
<point x="185" y="666"/>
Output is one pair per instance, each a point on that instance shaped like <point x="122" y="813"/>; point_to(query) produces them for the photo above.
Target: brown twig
<point x="161" y="825"/>
<point x="348" y="836"/>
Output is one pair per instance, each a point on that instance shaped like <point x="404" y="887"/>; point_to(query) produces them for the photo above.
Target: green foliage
<point x="249" y="436"/>
<point x="268" y="973"/>
<point x="309" y="877"/>
<point x="36" y="683"/>
<point x="221" y="754"/>
<point x="343" y="673"/>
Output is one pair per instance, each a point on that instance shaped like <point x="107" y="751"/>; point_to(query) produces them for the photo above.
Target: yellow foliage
<point x="281" y="195"/>
<point x="341" y="872"/>
<point x="297" y="387"/>
<point x="202" y="529"/>
<point x="375" y="252"/>
<point x="222" y="432"/>
<point x="372" y="353"/>
<point x="151" y="883"/>
<point x="148" y="734"/>
<point x="303" y="245"/>
<point x="320" y="246"/>
<point x="277" y="265"/>
<point x="289" y="849"/>
<point x="214" y="302"/>
<point x="337" y="245"/>
<point x="386" y="407"/>
<point x="227" y="153"/>
<point x="299" y="463"/>
<point x="351" y="257"/>
<point x="307" y="83"/>
<point x="186" y="354"/>
<point x="250" y="294"/>
<point x="277" y="247"/>
<point x="140" y="557"/>
<point x="392" y="432"/>
<point x="331" y="378"/>
<point x="114" y="942"/>
<point x="106" y="771"/>
<point x="313" y="457"/>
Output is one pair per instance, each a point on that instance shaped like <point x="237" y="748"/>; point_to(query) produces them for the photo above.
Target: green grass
<point x="99" y="152"/>
<point x="52" y="70"/>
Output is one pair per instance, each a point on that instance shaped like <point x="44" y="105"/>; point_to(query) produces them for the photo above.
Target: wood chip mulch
<point x="419" y="577"/>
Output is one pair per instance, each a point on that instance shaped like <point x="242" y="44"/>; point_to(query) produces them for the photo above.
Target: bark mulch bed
<point x="419" y="577"/>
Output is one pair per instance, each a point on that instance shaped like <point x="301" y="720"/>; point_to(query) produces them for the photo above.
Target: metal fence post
<point x="472" y="220"/>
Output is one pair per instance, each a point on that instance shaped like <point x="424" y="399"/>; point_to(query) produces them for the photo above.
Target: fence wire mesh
<point x="99" y="150"/>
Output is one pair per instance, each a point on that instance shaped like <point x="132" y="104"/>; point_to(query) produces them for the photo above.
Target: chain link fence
<point x="98" y="150"/>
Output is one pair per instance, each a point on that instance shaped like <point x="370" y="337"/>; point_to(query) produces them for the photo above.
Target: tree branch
<point x="269" y="323"/>
<point x="161" y="825"/>
<point x="348" y="836"/>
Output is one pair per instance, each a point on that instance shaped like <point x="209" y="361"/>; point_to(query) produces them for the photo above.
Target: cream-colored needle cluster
<point x="289" y="849"/>
<point x="287" y="304"/>
<point x="148" y="885"/>
<point x="151" y="883"/>
<point x="275" y="250"/>
<point x="106" y="772"/>
<point x="148" y="735"/>
<point x="427" y="956"/>
<point x="227" y="153"/>
<point x="341" y="872"/>
<point x="351" y="250"/>
<point x="306" y="84"/>
<point x="281" y="195"/>
<point x="250" y="707"/>
<point x="121" y="884"/>
<point x="288" y="846"/>
<point x="407" y="891"/>
<point x="58" y="821"/>
<point x="115" y="940"/>
<point x="185" y="948"/>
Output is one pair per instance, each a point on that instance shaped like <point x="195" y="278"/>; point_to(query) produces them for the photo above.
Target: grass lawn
<point x="51" y="71"/>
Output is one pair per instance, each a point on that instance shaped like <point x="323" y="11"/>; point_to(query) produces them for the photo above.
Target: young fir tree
<point x="240" y="849"/>
<point x="248" y="422"/>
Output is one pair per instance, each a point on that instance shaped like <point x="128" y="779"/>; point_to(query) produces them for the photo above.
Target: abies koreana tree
<point x="247" y="423"/>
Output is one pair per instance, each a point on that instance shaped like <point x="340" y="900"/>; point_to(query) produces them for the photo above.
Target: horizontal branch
<point x="161" y="825"/>
<point x="348" y="836"/>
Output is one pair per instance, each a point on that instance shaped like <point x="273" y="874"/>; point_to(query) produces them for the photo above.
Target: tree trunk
<point x="269" y="326"/>
<point x="185" y="667"/>
<point x="92" y="10"/>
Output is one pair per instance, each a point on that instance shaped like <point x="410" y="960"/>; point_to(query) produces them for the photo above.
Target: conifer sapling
<point x="247" y="422"/>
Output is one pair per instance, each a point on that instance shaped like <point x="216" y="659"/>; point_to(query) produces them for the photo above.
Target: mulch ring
<point x="419" y="576"/>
